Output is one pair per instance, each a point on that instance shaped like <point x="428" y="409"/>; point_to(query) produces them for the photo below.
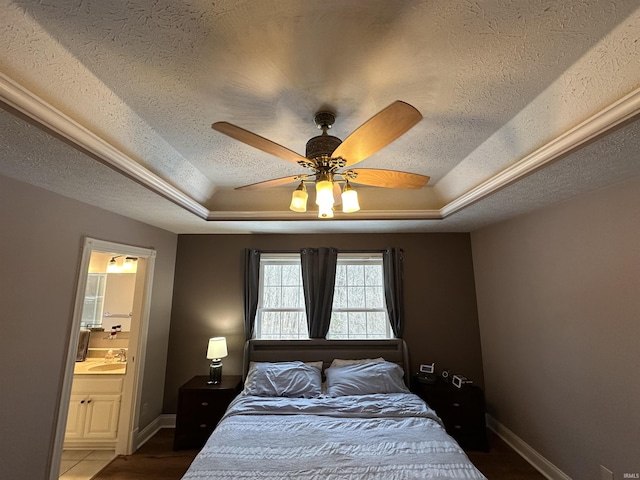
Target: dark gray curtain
<point x="318" y="279"/>
<point x="392" y="259"/>
<point x="250" y="290"/>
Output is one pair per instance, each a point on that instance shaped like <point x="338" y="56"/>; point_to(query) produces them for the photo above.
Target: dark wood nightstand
<point x="200" y="408"/>
<point x="461" y="409"/>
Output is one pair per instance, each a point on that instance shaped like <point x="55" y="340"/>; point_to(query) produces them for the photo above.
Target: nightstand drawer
<point x="200" y="408"/>
<point x="205" y="405"/>
<point x="462" y="411"/>
<point x="192" y="423"/>
<point x="191" y="438"/>
<point x="458" y="428"/>
<point x="460" y="405"/>
<point x="470" y="437"/>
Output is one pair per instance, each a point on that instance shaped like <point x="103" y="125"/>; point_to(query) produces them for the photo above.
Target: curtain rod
<point x="339" y="250"/>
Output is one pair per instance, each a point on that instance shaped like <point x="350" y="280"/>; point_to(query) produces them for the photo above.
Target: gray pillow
<point x="283" y="379"/>
<point x="365" y="378"/>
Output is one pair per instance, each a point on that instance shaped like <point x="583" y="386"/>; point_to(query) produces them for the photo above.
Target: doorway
<point x="127" y="421"/>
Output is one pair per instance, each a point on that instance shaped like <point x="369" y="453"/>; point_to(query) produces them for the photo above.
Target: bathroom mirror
<point x="108" y="299"/>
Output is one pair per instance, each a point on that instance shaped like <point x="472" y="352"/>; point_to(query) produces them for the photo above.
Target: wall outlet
<point x="605" y="473"/>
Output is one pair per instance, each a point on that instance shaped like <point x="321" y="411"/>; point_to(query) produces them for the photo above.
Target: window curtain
<point x="392" y="259"/>
<point x="318" y="279"/>
<point x="250" y="290"/>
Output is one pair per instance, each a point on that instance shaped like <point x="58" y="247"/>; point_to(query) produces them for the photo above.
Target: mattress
<point x="373" y="436"/>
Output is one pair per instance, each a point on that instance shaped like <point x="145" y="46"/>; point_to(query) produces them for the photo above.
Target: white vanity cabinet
<point x="94" y="411"/>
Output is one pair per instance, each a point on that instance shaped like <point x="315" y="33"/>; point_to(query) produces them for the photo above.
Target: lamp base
<point x="215" y="372"/>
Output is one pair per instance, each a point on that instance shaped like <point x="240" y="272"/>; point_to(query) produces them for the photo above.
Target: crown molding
<point x="306" y="216"/>
<point x="596" y="125"/>
<point x="47" y="116"/>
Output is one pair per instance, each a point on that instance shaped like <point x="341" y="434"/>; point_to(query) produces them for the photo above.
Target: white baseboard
<point x="544" y="466"/>
<point x="163" y="421"/>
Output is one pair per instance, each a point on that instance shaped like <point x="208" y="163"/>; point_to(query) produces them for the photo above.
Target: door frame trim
<point x="132" y="391"/>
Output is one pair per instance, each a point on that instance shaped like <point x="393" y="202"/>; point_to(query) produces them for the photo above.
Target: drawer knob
<point x="203" y="425"/>
<point x="205" y="404"/>
<point x="456" y="404"/>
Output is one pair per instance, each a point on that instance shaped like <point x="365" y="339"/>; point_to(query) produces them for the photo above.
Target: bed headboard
<point x="392" y="350"/>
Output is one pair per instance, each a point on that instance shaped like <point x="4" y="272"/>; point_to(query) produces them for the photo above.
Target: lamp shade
<point x="217" y="348"/>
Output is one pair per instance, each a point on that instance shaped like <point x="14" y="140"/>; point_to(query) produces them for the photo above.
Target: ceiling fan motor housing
<point x="322" y="145"/>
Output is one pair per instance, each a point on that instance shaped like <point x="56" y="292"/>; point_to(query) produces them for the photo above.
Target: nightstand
<point x="461" y="409"/>
<point x="200" y="408"/>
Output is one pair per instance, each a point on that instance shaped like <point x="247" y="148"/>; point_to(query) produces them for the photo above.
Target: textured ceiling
<point x="495" y="81"/>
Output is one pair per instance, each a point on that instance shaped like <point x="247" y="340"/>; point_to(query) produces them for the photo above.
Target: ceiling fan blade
<point x="378" y="132"/>
<point x="276" y="182"/>
<point x="256" y="141"/>
<point x="389" y="178"/>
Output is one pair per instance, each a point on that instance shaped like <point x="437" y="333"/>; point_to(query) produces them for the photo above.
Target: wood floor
<point x="503" y="463"/>
<point x="156" y="460"/>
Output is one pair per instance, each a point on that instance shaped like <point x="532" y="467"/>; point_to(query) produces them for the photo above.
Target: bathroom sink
<point x="107" y="367"/>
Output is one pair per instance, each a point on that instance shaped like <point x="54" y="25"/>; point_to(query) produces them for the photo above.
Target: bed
<point x="329" y="409"/>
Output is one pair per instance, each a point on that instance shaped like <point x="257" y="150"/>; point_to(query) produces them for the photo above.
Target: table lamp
<point x="216" y="351"/>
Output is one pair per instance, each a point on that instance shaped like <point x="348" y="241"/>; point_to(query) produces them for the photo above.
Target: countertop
<point x="97" y="366"/>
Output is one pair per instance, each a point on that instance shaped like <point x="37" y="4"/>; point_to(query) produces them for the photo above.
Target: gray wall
<point x="440" y="303"/>
<point x="40" y="240"/>
<point x="559" y="309"/>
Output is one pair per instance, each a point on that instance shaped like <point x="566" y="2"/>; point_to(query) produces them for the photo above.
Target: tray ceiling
<point x="524" y="104"/>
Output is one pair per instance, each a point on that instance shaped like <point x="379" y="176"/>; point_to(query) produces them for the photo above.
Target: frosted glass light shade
<point x="324" y="193"/>
<point x="112" y="266"/>
<point x="217" y="348"/>
<point x="325" y="211"/>
<point x="299" y="199"/>
<point x="130" y="264"/>
<point x="350" y="200"/>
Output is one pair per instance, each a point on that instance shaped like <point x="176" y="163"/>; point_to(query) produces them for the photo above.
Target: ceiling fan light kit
<point x="349" y="199"/>
<point x="324" y="189"/>
<point x="299" y="199"/>
<point x="327" y="156"/>
<point x="325" y="211"/>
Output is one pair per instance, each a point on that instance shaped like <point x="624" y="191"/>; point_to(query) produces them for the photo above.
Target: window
<point x="281" y="313"/>
<point x="358" y="312"/>
<point x="359" y="309"/>
<point x="93" y="300"/>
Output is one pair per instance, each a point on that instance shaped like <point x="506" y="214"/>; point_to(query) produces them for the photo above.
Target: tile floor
<point x="83" y="464"/>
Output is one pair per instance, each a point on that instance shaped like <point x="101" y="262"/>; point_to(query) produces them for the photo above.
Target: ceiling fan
<point x="330" y="158"/>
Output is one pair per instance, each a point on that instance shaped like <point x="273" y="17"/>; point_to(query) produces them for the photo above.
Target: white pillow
<point x="365" y="378"/>
<point x="338" y="362"/>
<point x="283" y="379"/>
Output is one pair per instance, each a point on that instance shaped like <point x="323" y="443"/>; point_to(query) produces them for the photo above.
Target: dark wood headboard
<point x="392" y="350"/>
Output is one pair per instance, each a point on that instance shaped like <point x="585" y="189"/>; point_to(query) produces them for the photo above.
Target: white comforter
<point x="390" y="436"/>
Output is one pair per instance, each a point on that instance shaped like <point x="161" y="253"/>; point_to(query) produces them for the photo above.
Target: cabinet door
<point x="76" y="417"/>
<point x="102" y="417"/>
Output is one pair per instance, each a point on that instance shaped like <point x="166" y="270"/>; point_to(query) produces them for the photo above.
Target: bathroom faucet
<point x="122" y="356"/>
